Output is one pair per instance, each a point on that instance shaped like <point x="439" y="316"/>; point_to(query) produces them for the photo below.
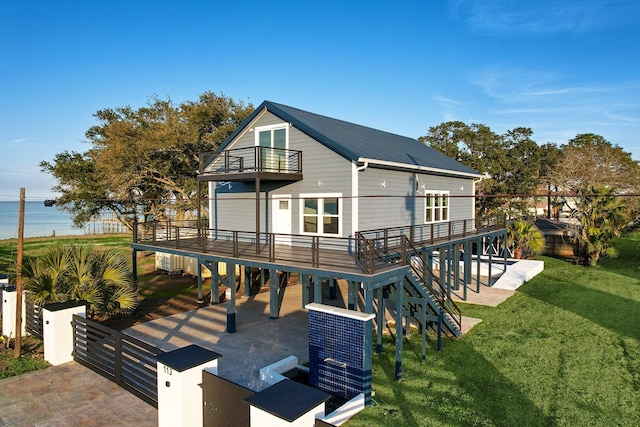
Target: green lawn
<point x="564" y="350"/>
<point x="9" y="248"/>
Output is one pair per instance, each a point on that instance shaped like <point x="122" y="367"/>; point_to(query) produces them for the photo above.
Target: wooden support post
<point x="215" y="280"/>
<point x="489" y="281"/>
<point x="399" y="335"/>
<point x="317" y="289"/>
<point x="305" y="280"/>
<point x="505" y="250"/>
<point x="274" y="285"/>
<point x="333" y="288"/>
<point x="379" y="318"/>
<point x="455" y="260"/>
<point x="423" y="327"/>
<point x="200" y="300"/>
<point x="231" y="303"/>
<point x="427" y="258"/>
<point x="352" y="295"/>
<point x="247" y="280"/>
<point x="443" y="268"/>
<point x="368" y="300"/>
<point x="467" y="267"/>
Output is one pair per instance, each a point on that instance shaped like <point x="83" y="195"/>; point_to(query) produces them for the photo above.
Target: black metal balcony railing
<point x="251" y="160"/>
<point x="290" y="249"/>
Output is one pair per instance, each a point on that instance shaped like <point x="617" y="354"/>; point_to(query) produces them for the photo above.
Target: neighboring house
<point x="294" y="191"/>
<point x="562" y="238"/>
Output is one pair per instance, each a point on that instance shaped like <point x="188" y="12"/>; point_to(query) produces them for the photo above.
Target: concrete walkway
<point x="70" y="395"/>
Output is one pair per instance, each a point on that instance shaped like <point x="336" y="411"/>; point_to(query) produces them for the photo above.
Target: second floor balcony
<point x="247" y="164"/>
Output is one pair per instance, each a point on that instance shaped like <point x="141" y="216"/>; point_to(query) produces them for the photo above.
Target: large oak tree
<point x="144" y="161"/>
<point x="512" y="163"/>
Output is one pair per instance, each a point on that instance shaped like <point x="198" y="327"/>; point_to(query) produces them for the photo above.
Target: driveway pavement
<point x="70" y="395"/>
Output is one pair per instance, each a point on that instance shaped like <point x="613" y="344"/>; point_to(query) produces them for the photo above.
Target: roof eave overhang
<point x="416" y="168"/>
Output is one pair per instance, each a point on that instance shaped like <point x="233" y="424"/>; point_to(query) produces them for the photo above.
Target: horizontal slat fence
<point x="126" y="361"/>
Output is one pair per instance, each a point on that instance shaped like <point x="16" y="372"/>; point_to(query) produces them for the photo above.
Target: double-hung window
<point x="321" y="214"/>
<point x="436" y="206"/>
<point x="273" y="142"/>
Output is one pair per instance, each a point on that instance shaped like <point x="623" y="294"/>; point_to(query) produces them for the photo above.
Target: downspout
<point x="363" y="167"/>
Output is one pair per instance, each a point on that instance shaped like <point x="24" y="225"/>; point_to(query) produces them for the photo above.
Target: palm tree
<point x="524" y="237"/>
<point x="81" y="273"/>
<point x="602" y="215"/>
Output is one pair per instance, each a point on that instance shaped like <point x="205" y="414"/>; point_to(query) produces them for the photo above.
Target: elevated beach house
<point x="293" y="191"/>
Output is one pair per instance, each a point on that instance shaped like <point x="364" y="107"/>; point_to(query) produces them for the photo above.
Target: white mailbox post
<point x="57" y="331"/>
<point x="179" y="378"/>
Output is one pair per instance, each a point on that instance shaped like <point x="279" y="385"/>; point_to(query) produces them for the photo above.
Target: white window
<point x="321" y="214"/>
<point x="274" y="140"/>
<point x="436" y="206"/>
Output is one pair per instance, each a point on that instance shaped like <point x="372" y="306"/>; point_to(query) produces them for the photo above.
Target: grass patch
<point x="33" y="246"/>
<point x="564" y="350"/>
<point x="31" y="358"/>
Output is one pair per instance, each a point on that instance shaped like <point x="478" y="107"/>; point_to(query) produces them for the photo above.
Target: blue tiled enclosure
<point x="340" y="345"/>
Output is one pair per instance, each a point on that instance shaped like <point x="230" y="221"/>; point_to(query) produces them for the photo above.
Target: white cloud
<point x="17" y="141"/>
<point x="545" y="16"/>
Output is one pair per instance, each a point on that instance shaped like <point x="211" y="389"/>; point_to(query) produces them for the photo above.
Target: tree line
<point x="589" y="179"/>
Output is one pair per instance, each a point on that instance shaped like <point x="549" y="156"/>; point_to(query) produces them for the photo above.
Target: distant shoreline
<point x="67" y="237"/>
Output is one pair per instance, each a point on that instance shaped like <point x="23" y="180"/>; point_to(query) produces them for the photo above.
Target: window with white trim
<point x="436" y="206"/>
<point x="321" y="214"/>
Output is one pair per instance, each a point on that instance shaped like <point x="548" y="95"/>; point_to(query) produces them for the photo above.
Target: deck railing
<point x="376" y="247"/>
<point x="251" y="159"/>
<point x="370" y="250"/>
<point x="316" y="251"/>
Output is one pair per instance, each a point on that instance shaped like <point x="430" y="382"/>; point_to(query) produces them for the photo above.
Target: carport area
<point x="257" y="342"/>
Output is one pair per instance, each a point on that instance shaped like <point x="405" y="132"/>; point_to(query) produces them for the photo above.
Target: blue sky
<point x="558" y="67"/>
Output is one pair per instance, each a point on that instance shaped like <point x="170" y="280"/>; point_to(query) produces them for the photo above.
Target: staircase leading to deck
<point x="421" y="286"/>
<point x="420" y="280"/>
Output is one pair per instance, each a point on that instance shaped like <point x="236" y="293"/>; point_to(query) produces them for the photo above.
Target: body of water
<point x="39" y="221"/>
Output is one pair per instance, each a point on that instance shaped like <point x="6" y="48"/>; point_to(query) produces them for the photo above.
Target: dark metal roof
<point x="355" y="142"/>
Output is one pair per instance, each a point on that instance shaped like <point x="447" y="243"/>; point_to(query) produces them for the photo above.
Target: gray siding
<point x="324" y="172"/>
<point x="389" y="198"/>
<point x="234" y="212"/>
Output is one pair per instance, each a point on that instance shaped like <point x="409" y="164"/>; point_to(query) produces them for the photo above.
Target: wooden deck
<point x="333" y="262"/>
<point x="376" y="250"/>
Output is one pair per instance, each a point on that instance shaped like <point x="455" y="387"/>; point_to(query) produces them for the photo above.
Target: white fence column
<point x="179" y="378"/>
<point x="57" y="332"/>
